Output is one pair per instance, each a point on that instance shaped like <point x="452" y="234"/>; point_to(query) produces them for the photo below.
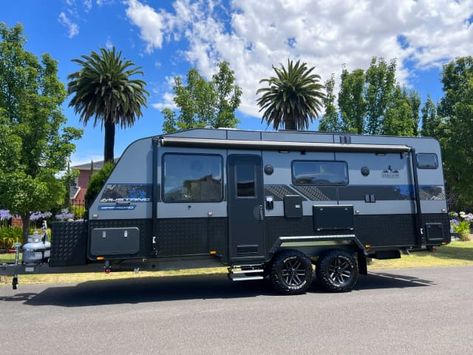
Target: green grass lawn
<point x="454" y="254"/>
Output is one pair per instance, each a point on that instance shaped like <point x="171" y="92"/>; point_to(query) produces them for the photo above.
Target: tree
<point x="459" y="148"/>
<point x="380" y="86"/>
<point x="399" y="118"/>
<point x="104" y="89"/>
<point x="34" y="144"/>
<point x="293" y="97"/>
<point x="455" y="80"/>
<point x="351" y="101"/>
<point x="456" y="135"/>
<point x="414" y="102"/>
<point x="330" y="122"/>
<point x="203" y="103"/>
<point x="96" y="183"/>
<point x="430" y="120"/>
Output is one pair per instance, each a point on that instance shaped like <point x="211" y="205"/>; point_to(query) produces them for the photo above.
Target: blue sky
<point x="166" y="38"/>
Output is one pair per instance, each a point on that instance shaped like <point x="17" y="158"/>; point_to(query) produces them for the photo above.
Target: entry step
<point x="246" y="272"/>
<point x="247" y="278"/>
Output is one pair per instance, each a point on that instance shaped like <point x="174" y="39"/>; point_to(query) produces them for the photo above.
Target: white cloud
<point x="166" y="102"/>
<point x="326" y="33"/>
<point x="150" y="23"/>
<point x="104" y="2"/>
<point x="72" y="28"/>
<point x="87" y="5"/>
<point x="108" y="43"/>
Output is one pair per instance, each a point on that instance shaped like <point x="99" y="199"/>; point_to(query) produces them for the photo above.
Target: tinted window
<point x="192" y="178"/>
<point x="427" y="161"/>
<point x="126" y="192"/>
<point x="319" y="173"/>
<point x="245" y="180"/>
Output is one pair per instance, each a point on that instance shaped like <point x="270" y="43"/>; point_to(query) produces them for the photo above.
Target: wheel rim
<point x="293" y="272"/>
<point x="340" y="271"/>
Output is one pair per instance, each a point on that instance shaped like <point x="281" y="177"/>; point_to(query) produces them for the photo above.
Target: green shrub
<point x="78" y="211"/>
<point x="9" y="236"/>
<point x="96" y="183"/>
<point x="463" y="230"/>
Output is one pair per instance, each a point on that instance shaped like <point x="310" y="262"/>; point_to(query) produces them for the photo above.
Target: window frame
<point x="437" y="164"/>
<point x="163" y="177"/>
<point x="293" y="177"/>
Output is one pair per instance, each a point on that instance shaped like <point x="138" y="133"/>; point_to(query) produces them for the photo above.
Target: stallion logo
<point x="390" y="173"/>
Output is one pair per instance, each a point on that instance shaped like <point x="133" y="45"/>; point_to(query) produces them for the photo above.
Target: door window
<point x="245" y="178"/>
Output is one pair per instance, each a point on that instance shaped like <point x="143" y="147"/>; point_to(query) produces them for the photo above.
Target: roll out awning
<point x="280" y="145"/>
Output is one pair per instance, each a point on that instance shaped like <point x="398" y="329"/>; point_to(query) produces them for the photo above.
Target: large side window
<point x="192" y="178"/>
<point x="427" y="161"/>
<point x="319" y="173"/>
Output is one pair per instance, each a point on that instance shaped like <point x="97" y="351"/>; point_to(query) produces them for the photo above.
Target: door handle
<point x="258" y="212"/>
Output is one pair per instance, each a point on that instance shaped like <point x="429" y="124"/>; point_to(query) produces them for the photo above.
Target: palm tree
<point x="103" y="89"/>
<point x="293" y="98"/>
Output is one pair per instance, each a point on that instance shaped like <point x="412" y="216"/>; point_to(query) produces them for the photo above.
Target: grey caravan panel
<point x="201" y="133"/>
<point x="288" y="136"/>
<point x="243" y="135"/>
<point x="134" y="167"/>
<point x="282" y="176"/>
<point x="379" y="183"/>
<point x="429" y="178"/>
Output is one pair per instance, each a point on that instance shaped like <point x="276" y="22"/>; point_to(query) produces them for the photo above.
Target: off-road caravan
<point x="266" y="204"/>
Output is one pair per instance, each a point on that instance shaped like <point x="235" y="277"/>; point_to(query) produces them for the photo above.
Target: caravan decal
<point x="390" y="173"/>
<point x="116" y="207"/>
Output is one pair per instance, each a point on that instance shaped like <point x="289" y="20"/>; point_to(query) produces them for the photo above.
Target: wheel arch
<point x="315" y="246"/>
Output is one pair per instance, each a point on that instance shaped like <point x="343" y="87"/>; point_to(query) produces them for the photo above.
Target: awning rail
<point x="280" y="145"/>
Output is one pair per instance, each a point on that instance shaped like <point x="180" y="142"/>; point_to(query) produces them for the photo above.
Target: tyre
<point x="337" y="271"/>
<point x="291" y="272"/>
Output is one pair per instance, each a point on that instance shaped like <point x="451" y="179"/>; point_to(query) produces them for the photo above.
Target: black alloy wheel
<point x="337" y="271"/>
<point x="291" y="272"/>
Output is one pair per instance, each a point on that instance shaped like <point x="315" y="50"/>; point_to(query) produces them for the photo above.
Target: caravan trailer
<point x="289" y="206"/>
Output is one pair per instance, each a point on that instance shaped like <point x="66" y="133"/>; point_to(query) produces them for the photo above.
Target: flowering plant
<point x="5" y="215"/>
<point x="65" y="215"/>
<point x="461" y="223"/>
<point x="35" y="216"/>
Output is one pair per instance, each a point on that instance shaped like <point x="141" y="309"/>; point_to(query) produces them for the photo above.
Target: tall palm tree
<point x="104" y="89"/>
<point x="293" y="98"/>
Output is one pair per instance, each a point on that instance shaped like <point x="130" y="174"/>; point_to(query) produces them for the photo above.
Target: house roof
<point x="97" y="165"/>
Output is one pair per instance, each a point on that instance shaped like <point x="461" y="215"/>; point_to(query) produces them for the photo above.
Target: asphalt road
<point x="421" y="311"/>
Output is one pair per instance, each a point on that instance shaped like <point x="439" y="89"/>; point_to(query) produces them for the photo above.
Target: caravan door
<point x="245" y="207"/>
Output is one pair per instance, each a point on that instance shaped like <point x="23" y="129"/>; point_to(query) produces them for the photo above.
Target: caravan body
<point x="242" y="198"/>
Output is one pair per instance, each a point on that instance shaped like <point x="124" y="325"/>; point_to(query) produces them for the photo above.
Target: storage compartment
<point x="114" y="241"/>
<point x="68" y="243"/>
<point x="333" y="218"/>
<point x="434" y="232"/>
<point x="293" y="206"/>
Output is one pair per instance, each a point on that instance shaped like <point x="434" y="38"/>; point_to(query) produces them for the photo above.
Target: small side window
<point x="319" y="173"/>
<point x="427" y="161"/>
